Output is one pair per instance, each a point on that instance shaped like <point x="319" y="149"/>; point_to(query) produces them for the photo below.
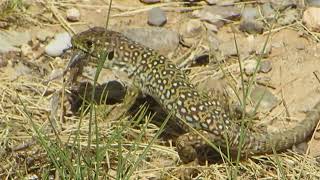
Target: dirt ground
<point x="294" y="80"/>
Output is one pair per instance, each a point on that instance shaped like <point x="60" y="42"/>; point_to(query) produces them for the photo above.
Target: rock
<point x="250" y="67"/>
<point x="250" y="13"/>
<point x="283" y="4"/>
<point x="217" y="15"/>
<point x="10" y="40"/>
<point x="190" y="31"/>
<point x="267" y="11"/>
<point x="212" y="2"/>
<point x="249" y="23"/>
<point x="289" y="17"/>
<point x="163" y="40"/>
<point x="311" y="17"/>
<point x="26" y="50"/>
<point x="157" y="17"/>
<point x="226" y="2"/>
<point x="211" y="27"/>
<point x="313" y="3"/>
<point x="191" y="28"/>
<point x="300" y="46"/>
<point x="150" y="1"/>
<point x="43" y="34"/>
<point x="266" y="99"/>
<point x="214" y="42"/>
<point x="57" y="46"/>
<point x="251" y="26"/>
<point x="228" y="48"/>
<point x="259" y="48"/>
<point x="190" y="1"/>
<point x="4" y="25"/>
<point x="263" y="80"/>
<point x="265" y="66"/>
<point x="73" y="15"/>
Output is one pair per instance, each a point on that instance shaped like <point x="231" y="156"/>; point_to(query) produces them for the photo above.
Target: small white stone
<point x="311" y="17"/>
<point x="56" y="47"/>
<point x="73" y="15"/>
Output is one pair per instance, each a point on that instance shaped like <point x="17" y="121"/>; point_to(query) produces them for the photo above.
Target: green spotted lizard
<point x="157" y="76"/>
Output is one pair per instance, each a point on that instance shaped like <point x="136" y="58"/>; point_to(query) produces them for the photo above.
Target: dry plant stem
<point x="316" y="74"/>
<point x="56" y="13"/>
<point x="282" y="94"/>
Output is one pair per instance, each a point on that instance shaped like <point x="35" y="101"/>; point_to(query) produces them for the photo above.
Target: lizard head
<point x="94" y="41"/>
<point x="98" y="42"/>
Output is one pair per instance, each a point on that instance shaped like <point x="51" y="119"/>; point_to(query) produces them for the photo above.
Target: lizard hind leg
<point x="189" y="144"/>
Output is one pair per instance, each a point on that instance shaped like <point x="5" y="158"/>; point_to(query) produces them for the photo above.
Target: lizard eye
<point x="110" y="55"/>
<point x="89" y="43"/>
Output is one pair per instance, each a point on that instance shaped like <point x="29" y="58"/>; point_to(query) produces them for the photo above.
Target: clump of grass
<point x="9" y="8"/>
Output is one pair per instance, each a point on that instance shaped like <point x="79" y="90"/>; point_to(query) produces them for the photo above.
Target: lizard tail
<point x="266" y="143"/>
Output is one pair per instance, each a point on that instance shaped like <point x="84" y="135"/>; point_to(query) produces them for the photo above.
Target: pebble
<point x="157" y="17"/>
<point x="226" y="2"/>
<point x="311" y="17"/>
<point x="10" y="40"/>
<point x="265" y="66"/>
<point x="283" y="4"/>
<point x="250" y="13"/>
<point x="250" y="67"/>
<point x="212" y="2"/>
<point x="4" y="24"/>
<point x="251" y="26"/>
<point x="190" y="31"/>
<point x="57" y="46"/>
<point x="300" y="46"/>
<point x="26" y="50"/>
<point x="211" y="27"/>
<point x="266" y="99"/>
<point x="249" y="23"/>
<point x="214" y="41"/>
<point x="263" y="80"/>
<point x="73" y="15"/>
<point x="217" y="15"/>
<point x="228" y="48"/>
<point x="289" y="17"/>
<point x="267" y="11"/>
<point x="150" y="1"/>
<point x="313" y="3"/>
<point x="161" y="39"/>
<point x="191" y="28"/>
<point x="42" y="35"/>
<point x="258" y="46"/>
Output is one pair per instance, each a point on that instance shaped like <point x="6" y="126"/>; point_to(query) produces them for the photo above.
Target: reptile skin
<point x="155" y="75"/>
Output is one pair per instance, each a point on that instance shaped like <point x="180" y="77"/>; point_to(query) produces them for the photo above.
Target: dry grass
<point x="24" y="140"/>
<point x="35" y="139"/>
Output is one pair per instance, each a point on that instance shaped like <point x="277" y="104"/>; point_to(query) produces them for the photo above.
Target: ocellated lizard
<point x="155" y="75"/>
